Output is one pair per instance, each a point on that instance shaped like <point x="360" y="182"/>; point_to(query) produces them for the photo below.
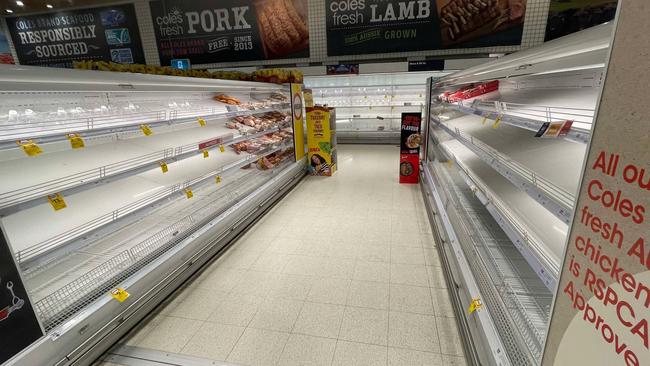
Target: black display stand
<point x="19" y="326"/>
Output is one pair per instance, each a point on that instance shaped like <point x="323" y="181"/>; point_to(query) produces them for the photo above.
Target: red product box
<point x="409" y="169"/>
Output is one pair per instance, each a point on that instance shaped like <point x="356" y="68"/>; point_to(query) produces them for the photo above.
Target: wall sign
<point x="569" y="16"/>
<point x="5" y="53"/>
<point x="57" y="39"/>
<point x="19" y="326"/>
<point x="410" y="140"/>
<point x="207" y="31"/>
<point x="378" y="26"/>
<point x="601" y="312"/>
<point x="426" y="65"/>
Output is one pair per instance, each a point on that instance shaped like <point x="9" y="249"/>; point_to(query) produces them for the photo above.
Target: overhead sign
<point x="206" y="31"/>
<point x="5" y="53"/>
<point x="57" y="39"/>
<point x="569" y="16"/>
<point x="342" y="69"/>
<point x="19" y="326"/>
<point x="379" y="26"/>
<point x="181" y="64"/>
<point x="426" y="65"/>
<point x="601" y="312"/>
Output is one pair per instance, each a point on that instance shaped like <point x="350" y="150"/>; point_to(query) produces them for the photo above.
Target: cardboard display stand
<point x="409" y="162"/>
<point x="321" y="140"/>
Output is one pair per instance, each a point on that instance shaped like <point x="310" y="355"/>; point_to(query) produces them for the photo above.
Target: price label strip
<point x="57" y="201"/>
<point x="202" y="122"/>
<point x="76" y="142"/>
<point x="188" y="193"/>
<point x="120" y="294"/>
<point x="497" y="121"/>
<point x="30" y="148"/>
<point x="146" y="130"/>
<point x="476" y="304"/>
<point x="163" y="167"/>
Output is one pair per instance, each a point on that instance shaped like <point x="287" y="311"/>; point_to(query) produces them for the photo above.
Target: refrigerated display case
<point x="369" y="107"/>
<point x="132" y="181"/>
<point x="506" y="142"/>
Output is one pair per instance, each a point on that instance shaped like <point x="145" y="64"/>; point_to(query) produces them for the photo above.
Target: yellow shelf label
<point x="202" y="122"/>
<point x="146" y="130"/>
<point x="450" y="163"/>
<point x="222" y="148"/>
<point x="30" y="148"/>
<point x="188" y="193"/>
<point x="484" y="120"/>
<point x="164" y="167"/>
<point x="57" y="202"/>
<point x="76" y="142"/>
<point x="120" y="294"/>
<point x="206" y="153"/>
<point x="476" y="304"/>
<point x="218" y="179"/>
<point x="496" y="122"/>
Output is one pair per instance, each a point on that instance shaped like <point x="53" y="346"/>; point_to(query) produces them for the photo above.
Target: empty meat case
<point x="500" y="195"/>
<point x="154" y="190"/>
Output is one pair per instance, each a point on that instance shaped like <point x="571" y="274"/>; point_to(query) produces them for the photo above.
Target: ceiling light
<point x="49" y="6"/>
<point x="20" y="3"/>
<point x="9" y="11"/>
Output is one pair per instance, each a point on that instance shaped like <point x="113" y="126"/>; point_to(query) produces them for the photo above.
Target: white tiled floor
<point x="343" y="271"/>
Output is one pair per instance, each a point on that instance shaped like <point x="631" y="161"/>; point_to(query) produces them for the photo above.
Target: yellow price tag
<point x="202" y="122"/>
<point x="188" y="193"/>
<point x="496" y="122"/>
<point x="476" y="304"/>
<point x="484" y="120"/>
<point x="146" y="130"/>
<point x="450" y="163"/>
<point x="120" y="294"/>
<point x="57" y="202"/>
<point x="164" y="167"/>
<point x="218" y="179"/>
<point x="30" y="148"/>
<point x="76" y="142"/>
<point x="222" y="148"/>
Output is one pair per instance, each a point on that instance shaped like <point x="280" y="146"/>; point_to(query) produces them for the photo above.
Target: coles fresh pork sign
<point x="57" y="39"/>
<point x="206" y="31"/>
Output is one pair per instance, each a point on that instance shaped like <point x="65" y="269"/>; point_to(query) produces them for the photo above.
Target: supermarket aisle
<point x="342" y="272"/>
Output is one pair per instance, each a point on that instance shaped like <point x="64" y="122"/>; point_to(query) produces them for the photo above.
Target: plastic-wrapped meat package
<point x="231" y="124"/>
<point x="253" y="147"/>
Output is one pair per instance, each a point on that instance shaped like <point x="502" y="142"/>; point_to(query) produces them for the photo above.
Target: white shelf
<point x="537" y="233"/>
<point x="91" y="209"/>
<point x="69" y="171"/>
<point x="535" y="181"/>
<point x="521" y="292"/>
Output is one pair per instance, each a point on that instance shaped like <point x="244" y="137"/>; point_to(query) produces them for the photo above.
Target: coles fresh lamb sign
<point x="378" y="26"/>
<point x="58" y="39"/>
